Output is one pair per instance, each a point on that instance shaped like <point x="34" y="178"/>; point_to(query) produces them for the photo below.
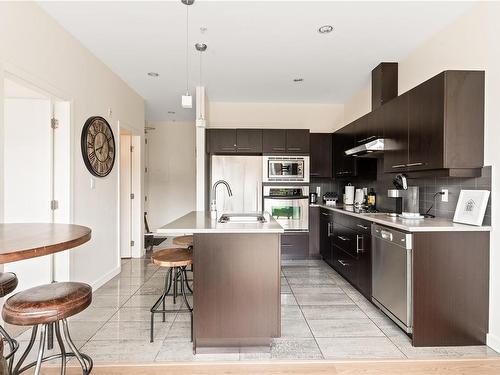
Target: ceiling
<point x="255" y="49"/>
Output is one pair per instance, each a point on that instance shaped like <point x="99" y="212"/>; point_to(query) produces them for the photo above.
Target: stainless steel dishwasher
<point x="392" y="274"/>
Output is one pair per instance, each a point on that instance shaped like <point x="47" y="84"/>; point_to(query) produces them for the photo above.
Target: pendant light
<point x="187" y="100"/>
<point x="200" y="120"/>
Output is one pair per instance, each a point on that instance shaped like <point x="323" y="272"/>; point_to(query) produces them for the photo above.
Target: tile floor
<point x="323" y="317"/>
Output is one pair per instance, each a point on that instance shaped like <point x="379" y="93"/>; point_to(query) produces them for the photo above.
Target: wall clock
<point x="98" y="146"/>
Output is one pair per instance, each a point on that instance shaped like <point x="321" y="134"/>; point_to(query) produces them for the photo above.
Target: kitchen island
<point x="236" y="280"/>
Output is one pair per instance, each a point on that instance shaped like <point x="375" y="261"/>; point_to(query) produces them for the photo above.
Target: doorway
<point x="131" y="227"/>
<point x="36" y="164"/>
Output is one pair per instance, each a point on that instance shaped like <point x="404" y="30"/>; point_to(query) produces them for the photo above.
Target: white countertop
<point x="422" y="225"/>
<point x="200" y="222"/>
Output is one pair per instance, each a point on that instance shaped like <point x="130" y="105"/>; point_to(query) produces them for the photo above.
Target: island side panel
<point x="450" y="288"/>
<point x="236" y="289"/>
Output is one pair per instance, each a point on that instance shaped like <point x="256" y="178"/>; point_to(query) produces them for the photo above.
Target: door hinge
<point x="132" y="243"/>
<point x="145" y="199"/>
<point x="54" y="205"/>
<point x="132" y="196"/>
<point x="131" y="148"/>
<point x="54" y="123"/>
<point x="146" y="140"/>
<point x="146" y="170"/>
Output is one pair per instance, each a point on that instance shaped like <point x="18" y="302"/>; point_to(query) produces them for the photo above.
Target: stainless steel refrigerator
<point x="244" y="175"/>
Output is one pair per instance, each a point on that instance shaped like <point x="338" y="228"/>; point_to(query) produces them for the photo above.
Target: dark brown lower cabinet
<point x="325" y="230"/>
<point x="295" y="245"/>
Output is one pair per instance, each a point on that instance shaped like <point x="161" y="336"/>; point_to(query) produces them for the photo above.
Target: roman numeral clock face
<point x="98" y="146"/>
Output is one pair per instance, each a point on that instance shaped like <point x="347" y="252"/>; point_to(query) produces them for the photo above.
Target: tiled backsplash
<point x="427" y="188"/>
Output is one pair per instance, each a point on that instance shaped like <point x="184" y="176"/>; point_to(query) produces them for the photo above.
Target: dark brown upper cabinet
<point x="249" y="140"/>
<point x="344" y="139"/>
<point x="297" y="141"/>
<point x="446" y="122"/>
<point x="285" y="141"/>
<point x="384" y="83"/>
<point x="437" y="126"/>
<point x="222" y="140"/>
<point x="394" y="115"/>
<point x="321" y="155"/>
<point x="227" y="141"/>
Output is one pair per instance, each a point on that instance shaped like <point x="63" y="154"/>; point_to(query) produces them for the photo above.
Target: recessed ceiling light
<point x="153" y="74"/>
<point x="171" y="112"/>
<point x="298" y="80"/>
<point x="325" y="29"/>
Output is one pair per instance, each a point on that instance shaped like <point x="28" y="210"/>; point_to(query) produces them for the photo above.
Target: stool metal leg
<point x="63" y="349"/>
<point x="13" y="345"/>
<point x="183" y="291"/>
<point x="41" y="349"/>
<point x="27" y="351"/>
<point x="186" y="278"/>
<point x="85" y="361"/>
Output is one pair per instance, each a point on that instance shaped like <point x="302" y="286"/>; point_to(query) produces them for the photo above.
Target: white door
<point x="36" y="171"/>
<point x="125" y="195"/>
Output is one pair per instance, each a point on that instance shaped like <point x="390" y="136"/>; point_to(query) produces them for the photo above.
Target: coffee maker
<point x="407" y="198"/>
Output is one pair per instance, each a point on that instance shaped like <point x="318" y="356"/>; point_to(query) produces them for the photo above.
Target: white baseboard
<point x="493" y="342"/>
<point x="105" y="278"/>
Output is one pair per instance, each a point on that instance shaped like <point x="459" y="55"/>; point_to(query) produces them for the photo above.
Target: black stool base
<point x="13" y="346"/>
<point x="171" y="280"/>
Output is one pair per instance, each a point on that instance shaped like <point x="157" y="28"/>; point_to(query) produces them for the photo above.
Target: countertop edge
<point x="454" y="227"/>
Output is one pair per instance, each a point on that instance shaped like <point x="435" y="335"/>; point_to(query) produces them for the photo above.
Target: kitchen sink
<point x="243" y="218"/>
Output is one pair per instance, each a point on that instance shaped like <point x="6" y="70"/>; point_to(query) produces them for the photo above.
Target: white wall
<point x="471" y="42"/>
<point x="36" y="48"/>
<point x="320" y="118"/>
<point x="171" y="171"/>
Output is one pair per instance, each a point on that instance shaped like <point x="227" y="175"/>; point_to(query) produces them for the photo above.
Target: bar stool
<point x="188" y="242"/>
<point x="176" y="260"/>
<point x="185" y="241"/>
<point x="8" y="283"/>
<point x="48" y="306"/>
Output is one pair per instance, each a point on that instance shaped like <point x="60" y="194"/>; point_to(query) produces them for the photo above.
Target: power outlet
<point x="444" y="196"/>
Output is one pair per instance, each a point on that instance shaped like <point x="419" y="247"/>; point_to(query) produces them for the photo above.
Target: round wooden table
<point x="19" y="241"/>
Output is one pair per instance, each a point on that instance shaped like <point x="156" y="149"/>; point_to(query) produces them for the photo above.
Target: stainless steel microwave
<point x="285" y="168"/>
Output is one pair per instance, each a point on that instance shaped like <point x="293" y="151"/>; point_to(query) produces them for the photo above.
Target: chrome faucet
<point x="213" y="204"/>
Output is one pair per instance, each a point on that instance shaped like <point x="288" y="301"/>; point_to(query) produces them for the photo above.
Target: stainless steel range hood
<point x="370" y="149"/>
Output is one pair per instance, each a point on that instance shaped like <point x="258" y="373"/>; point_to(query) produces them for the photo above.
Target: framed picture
<point x="471" y="207"/>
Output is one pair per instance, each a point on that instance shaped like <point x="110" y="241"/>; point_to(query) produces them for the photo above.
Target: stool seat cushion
<point x="172" y="257"/>
<point x="183" y="241"/>
<point x="8" y="282"/>
<point x="47" y="303"/>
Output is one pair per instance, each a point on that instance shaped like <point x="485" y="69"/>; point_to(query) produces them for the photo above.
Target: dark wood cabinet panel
<point x="274" y="141"/>
<point x="426" y="125"/>
<point x="344" y="139"/>
<point x="321" y="155"/>
<point x="314" y="232"/>
<point x="249" y="140"/>
<point x="295" y="245"/>
<point x="297" y="141"/>
<point x="384" y="83"/>
<point x="326" y="231"/>
<point x="394" y="115"/>
<point x="222" y="140"/>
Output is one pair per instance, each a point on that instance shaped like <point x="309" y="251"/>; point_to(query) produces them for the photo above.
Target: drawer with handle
<point x="358" y="225"/>
<point x="348" y="240"/>
<point x="345" y="264"/>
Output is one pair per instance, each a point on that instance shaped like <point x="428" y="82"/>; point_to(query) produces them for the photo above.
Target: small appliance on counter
<point x="330" y="198"/>
<point x="313" y="198"/>
<point x="349" y="194"/>
<point x="407" y="198"/>
<point x="359" y="197"/>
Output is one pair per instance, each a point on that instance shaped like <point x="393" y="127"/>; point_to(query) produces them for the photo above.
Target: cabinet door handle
<point x="399" y="166"/>
<point x="359" y="249"/>
<point x="286" y="245"/>
<point x="343" y="262"/>
<point x="366" y="139"/>
<point x="244" y="148"/>
<point x="294" y="148"/>
<point x="329" y="229"/>
<point x="343" y="238"/>
<point x="325" y="214"/>
<point x="278" y="149"/>
<point x="414" y="164"/>
<point x="227" y="148"/>
<point x="362" y="226"/>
